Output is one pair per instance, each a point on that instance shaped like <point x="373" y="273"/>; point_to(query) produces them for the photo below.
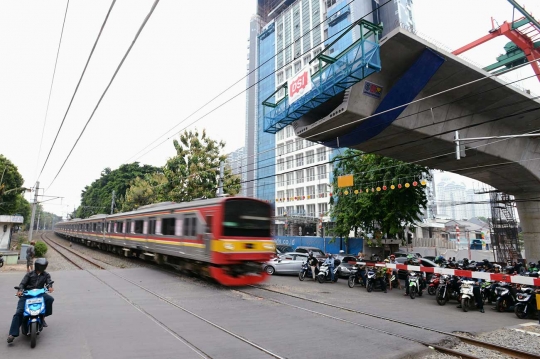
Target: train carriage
<point x="225" y="238"/>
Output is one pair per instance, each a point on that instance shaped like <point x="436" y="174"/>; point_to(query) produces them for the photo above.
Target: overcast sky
<point x="188" y="52"/>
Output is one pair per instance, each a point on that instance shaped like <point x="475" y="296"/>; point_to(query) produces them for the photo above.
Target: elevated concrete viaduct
<point x="412" y="68"/>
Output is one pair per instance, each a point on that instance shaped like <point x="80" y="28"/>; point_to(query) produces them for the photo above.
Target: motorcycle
<point x="354" y="277"/>
<point x="433" y="284"/>
<point x="371" y="280"/>
<point x="305" y="272"/>
<point x="445" y="291"/>
<point x="466" y="294"/>
<point x="526" y="303"/>
<point x="1" y="260"/>
<point x="505" y="297"/>
<point x="34" y="311"/>
<point x="413" y="281"/>
<point x="324" y="274"/>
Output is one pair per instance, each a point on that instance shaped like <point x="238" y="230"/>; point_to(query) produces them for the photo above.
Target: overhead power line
<point x="109" y="85"/>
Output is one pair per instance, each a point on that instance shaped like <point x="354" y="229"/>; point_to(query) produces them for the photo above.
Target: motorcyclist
<point x="395" y="271"/>
<point x="36" y="279"/>
<point x="414" y="262"/>
<point x="477" y="294"/>
<point x="313" y="263"/>
<point x="330" y="263"/>
<point x="379" y="277"/>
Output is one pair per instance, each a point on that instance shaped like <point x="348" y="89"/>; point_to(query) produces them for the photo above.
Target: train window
<point x="139" y="224"/>
<point x="209" y="220"/>
<point x="186" y="227"/>
<point x="94" y="225"/>
<point x="247" y="218"/>
<point x="193" y="228"/>
<point x="120" y="227"/>
<point x="152" y="226"/>
<point x="168" y="226"/>
<point x="129" y="226"/>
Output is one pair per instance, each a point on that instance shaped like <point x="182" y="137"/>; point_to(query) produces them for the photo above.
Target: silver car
<point x="288" y="263"/>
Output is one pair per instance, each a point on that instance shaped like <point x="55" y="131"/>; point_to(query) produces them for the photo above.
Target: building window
<point x="322" y="190"/>
<point x="310" y="191"/>
<point x="288" y="131"/>
<point x="300" y="176"/>
<point x="290" y="210"/>
<point x="323" y="208"/>
<point x="279" y="180"/>
<point x="310" y="210"/>
<point x="280" y="77"/>
<point x="280" y="194"/>
<point x="290" y="146"/>
<point x="317" y="51"/>
<point x="299" y="160"/>
<point x="281" y="164"/>
<point x="300" y="211"/>
<point x="280" y="135"/>
<point x="167" y="226"/>
<point x="330" y="2"/>
<point x="297" y="65"/>
<point x="290" y="178"/>
<point x="321" y="154"/>
<point x="300" y="192"/>
<point x="310" y="157"/>
<point x="290" y="162"/>
<point x="280" y="149"/>
<point x="310" y="174"/>
<point x="321" y="172"/>
<point x="309" y="143"/>
<point x="290" y="194"/>
<point x="280" y="211"/>
<point x="299" y="144"/>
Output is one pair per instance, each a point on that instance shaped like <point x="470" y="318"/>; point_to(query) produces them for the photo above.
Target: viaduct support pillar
<point x="529" y="217"/>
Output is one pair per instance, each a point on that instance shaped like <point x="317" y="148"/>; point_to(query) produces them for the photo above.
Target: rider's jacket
<point x="33" y="280"/>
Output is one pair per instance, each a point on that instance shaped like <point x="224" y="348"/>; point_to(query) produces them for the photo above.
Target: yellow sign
<point x="345" y="181"/>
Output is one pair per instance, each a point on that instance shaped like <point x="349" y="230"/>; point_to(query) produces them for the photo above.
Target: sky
<point x="188" y="53"/>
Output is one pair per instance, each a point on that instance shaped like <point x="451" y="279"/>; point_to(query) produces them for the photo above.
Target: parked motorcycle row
<point x="468" y="293"/>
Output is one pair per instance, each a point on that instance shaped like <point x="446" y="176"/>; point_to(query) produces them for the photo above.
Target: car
<point x="318" y="253"/>
<point x="402" y="274"/>
<point x="405" y="254"/>
<point x="431" y="258"/>
<point x="283" y="248"/>
<point x="287" y="263"/>
<point x="344" y="268"/>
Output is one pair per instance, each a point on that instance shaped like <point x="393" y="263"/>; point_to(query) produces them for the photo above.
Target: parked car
<point x="431" y="258"/>
<point x="318" y="253"/>
<point x="283" y="248"/>
<point x="405" y="254"/>
<point x="402" y="274"/>
<point x="287" y="263"/>
<point x="344" y="268"/>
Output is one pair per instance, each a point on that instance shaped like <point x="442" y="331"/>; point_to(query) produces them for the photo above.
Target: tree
<point x="11" y="188"/>
<point x="143" y="191"/>
<point x="193" y="172"/>
<point x="384" y="212"/>
<point x="97" y="197"/>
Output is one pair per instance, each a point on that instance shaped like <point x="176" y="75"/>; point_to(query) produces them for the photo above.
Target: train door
<point x="208" y="233"/>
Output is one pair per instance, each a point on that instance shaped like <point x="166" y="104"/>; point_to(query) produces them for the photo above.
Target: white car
<point x="288" y="263"/>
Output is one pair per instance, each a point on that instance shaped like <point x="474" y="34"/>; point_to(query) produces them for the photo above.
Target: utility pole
<point x="112" y="202"/>
<point x="221" y="171"/>
<point x="38" y="217"/>
<point x="33" y="212"/>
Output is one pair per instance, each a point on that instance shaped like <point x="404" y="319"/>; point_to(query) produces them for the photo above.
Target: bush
<point x="41" y="249"/>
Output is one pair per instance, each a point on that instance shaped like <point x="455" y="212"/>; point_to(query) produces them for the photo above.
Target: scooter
<point x="505" y="297"/>
<point x="444" y="291"/>
<point x="305" y="272"/>
<point x="34" y="311"/>
<point x="324" y="274"/>
<point x="355" y="277"/>
<point x="526" y="303"/>
<point x="466" y="294"/>
<point x="433" y="284"/>
<point x="413" y="281"/>
<point x="371" y="280"/>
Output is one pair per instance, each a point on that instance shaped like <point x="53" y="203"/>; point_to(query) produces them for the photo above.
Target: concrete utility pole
<point x="38" y="217"/>
<point x="112" y="202"/>
<point x="221" y="171"/>
<point x="33" y="212"/>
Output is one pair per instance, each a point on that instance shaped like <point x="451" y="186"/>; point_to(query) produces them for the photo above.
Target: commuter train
<point x="227" y="238"/>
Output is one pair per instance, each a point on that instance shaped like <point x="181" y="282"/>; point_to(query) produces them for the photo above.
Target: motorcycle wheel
<point x="431" y="290"/>
<point x="412" y="292"/>
<point x="465" y="304"/>
<point x="33" y="334"/>
<point x="369" y="287"/>
<point x="520" y="311"/>
<point x="320" y="278"/>
<point x="440" y="299"/>
<point x="420" y="293"/>
<point x="351" y="282"/>
<point x="301" y="275"/>
<point x="502" y="306"/>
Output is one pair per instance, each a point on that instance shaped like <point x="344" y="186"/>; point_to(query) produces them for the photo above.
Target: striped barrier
<point x="491" y="277"/>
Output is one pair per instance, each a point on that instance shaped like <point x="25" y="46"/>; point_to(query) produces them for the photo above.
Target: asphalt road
<point x="116" y="319"/>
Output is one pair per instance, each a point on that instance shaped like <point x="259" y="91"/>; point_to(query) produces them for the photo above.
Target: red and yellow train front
<point x="242" y="241"/>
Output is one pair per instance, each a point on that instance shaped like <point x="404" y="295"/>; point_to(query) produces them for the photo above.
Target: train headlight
<point x="269" y="246"/>
<point x="228" y="246"/>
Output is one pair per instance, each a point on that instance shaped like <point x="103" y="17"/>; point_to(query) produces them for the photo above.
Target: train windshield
<point x="246" y="218"/>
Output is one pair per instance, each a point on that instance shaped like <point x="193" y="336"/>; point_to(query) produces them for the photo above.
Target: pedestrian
<point x="30" y="254"/>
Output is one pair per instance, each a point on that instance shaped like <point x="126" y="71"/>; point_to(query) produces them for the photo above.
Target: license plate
<point x="249" y="246"/>
<point x="34" y="300"/>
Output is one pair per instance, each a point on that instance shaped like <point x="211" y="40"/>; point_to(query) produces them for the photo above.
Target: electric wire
<point x="51" y="88"/>
<point x="109" y="85"/>
<point x="247" y="88"/>
<point x="78" y="84"/>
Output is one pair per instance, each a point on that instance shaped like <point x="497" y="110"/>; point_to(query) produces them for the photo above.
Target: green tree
<point x="11" y="188"/>
<point x="383" y="213"/>
<point x="97" y="197"/>
<point x="194" y="171"/>
<point x="143" y="191"/>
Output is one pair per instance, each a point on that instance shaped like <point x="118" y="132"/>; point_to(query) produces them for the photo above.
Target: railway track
<point x="514" y="353"/>
<point x="196" y="349"/>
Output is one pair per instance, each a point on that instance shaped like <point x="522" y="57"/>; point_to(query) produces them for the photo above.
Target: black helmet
<point x="509" y="269"/>
<point x="41" y="264"/>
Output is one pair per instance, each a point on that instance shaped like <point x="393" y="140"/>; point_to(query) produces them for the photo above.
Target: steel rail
<point x="49" y="241"/>
<point x="513" y="352"/>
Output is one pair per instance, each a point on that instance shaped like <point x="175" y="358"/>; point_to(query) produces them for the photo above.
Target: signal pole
<point x="33" y="212"/>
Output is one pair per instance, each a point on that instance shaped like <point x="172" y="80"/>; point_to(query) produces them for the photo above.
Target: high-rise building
<point x="285" y="36"/>
<point x="236" y="160"/>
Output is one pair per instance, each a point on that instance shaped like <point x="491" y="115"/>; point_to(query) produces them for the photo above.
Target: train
<point x="226" y="239"/>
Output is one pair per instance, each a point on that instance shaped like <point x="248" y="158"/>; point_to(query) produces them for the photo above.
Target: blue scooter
<point x="34" y="310"/>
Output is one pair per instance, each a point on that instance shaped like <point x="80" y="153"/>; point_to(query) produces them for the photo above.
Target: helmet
<point x="410" y="256"/>
<point x="311" y="253"/>
<point x="392" y="256"/>
<point x="509" y="269"/>
<point x="41" y="264"/>
<point x="387" y="260"/>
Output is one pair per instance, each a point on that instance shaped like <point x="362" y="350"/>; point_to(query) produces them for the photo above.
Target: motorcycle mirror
<point x="16" y="288"/>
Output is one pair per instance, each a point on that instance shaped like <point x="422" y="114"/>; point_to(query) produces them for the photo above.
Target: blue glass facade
<point x="339" y="19"/>
<point x="266" y="142"/>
